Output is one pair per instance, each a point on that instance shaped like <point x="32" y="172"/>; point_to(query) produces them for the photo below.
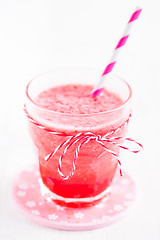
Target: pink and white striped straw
<point x="99" y="87"/>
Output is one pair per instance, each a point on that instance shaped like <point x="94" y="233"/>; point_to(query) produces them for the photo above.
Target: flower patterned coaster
<point x="26" y="192"/>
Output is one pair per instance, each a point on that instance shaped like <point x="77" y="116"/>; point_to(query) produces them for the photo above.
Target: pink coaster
<point x="26" y="191"/>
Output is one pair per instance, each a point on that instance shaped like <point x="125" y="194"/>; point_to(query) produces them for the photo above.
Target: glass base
<point x="72" y="202"/>
<point x="28" y="199"/>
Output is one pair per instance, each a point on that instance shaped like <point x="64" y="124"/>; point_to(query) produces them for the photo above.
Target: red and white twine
<point x="83" y="138"/>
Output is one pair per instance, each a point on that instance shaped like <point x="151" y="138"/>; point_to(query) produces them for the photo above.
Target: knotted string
<point x="83" y="138"/>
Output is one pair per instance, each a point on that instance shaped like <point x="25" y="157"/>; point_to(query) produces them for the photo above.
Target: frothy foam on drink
<point x="76" y="99"/>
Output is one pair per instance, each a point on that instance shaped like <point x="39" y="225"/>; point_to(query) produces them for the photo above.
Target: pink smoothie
<point x="95" y="167"/>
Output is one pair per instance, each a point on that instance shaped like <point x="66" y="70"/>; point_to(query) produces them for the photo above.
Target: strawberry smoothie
<point x="75" y="111"/>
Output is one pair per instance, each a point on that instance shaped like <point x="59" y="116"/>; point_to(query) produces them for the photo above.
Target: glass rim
<point x="76" y="114"/>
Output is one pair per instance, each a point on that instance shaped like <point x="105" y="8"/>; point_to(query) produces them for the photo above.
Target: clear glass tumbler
<point x="95" y="166"/>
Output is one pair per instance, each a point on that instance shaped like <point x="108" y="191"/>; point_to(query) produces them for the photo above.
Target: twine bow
<point x="83" y="138"/>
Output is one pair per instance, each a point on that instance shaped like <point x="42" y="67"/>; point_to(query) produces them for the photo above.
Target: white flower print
<point x="52" y="217"/>
<point x="104" y="199"/>
<point x="99" y="205"/>
<point x="23" y="186"/>
<point x="36" y="212"/>
<point x="118" y="207"/>
<point x="30" y="204"/>
<point x="21" y="193"/>
<point x="129" y="196"/>
<point x="79" y="215"/>
<point x="96" y="220"/>
<point x="59" y="208"/>
<point x="127" y="203"/>
<point x="105" y="217"/>
<point x="63" y="222"/>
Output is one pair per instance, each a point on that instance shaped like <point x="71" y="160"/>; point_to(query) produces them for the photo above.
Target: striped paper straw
<point x="99" y="87"/>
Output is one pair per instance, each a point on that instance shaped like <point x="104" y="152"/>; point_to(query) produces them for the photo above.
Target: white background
<point x="37" y="35"/>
